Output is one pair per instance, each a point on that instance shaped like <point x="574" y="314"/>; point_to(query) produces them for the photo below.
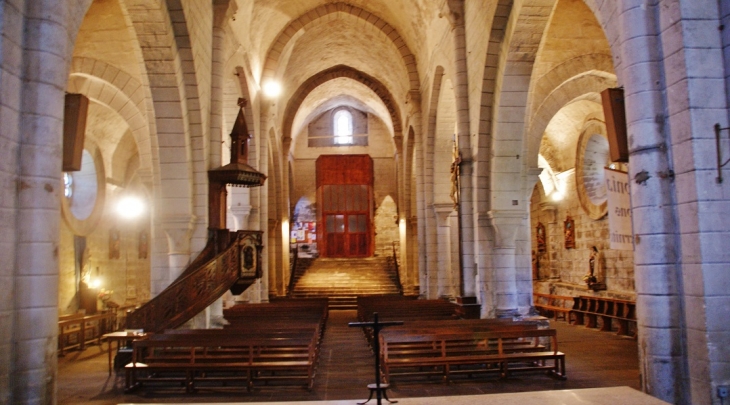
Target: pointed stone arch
<point x="336" y="72"/>
<point x="322" y="12"/>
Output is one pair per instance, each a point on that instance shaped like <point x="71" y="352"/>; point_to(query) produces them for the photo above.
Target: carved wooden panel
<point x="197" y="288"/>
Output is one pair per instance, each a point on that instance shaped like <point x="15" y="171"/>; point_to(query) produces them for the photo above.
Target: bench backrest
<point x="530" y="337"/>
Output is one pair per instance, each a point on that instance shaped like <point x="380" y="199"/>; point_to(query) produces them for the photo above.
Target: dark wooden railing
<point x="201" y="284"/>
<point x="396" y="267"/>
<point x="293" y="254"/>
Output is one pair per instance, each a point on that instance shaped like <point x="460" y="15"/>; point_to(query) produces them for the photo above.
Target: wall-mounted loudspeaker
<point x="615" y="114"/>
<point x="74" y="128"/>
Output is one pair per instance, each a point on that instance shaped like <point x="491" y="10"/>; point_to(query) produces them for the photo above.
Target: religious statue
<point x="456" y="161"/>
<point x="114" y="243"/>
<point x="540" y="236"/>
<point x="569" y="229"/>
<point x="590" y="277"/>
<point x="594" y="267"/>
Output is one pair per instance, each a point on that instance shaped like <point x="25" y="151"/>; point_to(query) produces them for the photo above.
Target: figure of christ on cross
<point x="377" y="387"/>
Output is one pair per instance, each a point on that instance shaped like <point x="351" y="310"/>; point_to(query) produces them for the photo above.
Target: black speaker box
<point x="74" y="128"/>
<point x="615" y="114"/>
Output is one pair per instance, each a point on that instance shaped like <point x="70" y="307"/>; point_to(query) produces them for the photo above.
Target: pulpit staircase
<point x="219" y="267"/>
<point x="342" y="280"/>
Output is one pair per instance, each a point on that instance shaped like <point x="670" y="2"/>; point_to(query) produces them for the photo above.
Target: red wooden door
<point x="344" y="189"/>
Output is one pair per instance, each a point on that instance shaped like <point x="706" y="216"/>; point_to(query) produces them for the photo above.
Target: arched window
<point x="343" y="127"/>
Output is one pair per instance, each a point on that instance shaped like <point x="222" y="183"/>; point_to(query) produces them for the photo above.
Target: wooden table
<point x="120" y="337"/>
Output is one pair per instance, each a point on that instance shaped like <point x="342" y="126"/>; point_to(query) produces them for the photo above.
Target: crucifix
<point x="377" y="326"/>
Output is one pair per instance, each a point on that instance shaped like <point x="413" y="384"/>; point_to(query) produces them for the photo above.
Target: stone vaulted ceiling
<point x="294" y="41"/>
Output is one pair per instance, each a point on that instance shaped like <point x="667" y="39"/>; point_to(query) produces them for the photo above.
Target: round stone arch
<point x="579" y="86"/>
<point x="162" y="64"/>
<point x="543" y="87"/>
<point x="510" y="101"/>
<point x="127" y="101"/>
<point x="333" y="73"/>
<point x="429" y="134"/>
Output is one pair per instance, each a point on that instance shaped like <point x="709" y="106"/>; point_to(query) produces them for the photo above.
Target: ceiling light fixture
<point x="130" y="207"/>
<point x="272" y="89"/>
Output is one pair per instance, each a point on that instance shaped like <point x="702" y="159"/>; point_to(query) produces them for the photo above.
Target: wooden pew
<point x="264" y="343"/>
<point x="586" y="311"/>
<point x="194" y="358"/>
<point x="501" y="352"/>
<point x="557" y="306"/>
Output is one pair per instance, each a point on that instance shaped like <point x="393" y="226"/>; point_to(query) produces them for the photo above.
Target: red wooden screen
<point x="344" y="190"/>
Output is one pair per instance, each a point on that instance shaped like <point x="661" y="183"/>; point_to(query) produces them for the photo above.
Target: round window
<point x="82" y="188"/>
<point x="83" y="194"/>
<point x="592" y="158"/>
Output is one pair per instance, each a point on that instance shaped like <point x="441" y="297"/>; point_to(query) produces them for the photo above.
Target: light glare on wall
<point x="272" y="89"/>
<point x="130" y="207"/>
<point x="95" y="283"/>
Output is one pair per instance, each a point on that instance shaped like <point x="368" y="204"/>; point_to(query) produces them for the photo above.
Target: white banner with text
<point x="619" y="210"/>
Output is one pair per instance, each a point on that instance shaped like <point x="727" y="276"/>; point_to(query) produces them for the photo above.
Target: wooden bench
<point x="557" y="306"/>
<point x="502" y="352"/>
<point x="195" y="358"/>
<point x="78" y="330"/>
<point x="586" y="311"/>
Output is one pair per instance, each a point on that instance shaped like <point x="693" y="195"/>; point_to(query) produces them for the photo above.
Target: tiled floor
<point x="593" y="359"/>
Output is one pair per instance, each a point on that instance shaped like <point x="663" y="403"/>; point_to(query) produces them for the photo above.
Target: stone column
<point x="178" y="230"/>
<point x="455" y="14"/>
<point x="485" y="286"/>
<point x="659" y="303"/>
<point x="445" y="287"/>
<point x="505" y="225"/>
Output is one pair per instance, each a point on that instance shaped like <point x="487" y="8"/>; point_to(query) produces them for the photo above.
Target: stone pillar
<point x="445" y="287"/>
<point x="178" y="230"/>
<point x="485" y="284"/>
<point x="662" y="326"/>
<point x="455" y="13"/>
<point x="412" y="239"/>
<point x="505" y="225"/>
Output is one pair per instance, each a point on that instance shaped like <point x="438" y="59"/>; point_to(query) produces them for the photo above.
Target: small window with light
<point x="343" y="127"/>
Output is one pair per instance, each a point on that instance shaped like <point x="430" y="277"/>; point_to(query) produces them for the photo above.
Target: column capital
<point x="505" y="224"/>
<point x="178" y="229"/>
<point x="223" y="10"/>
<point x="534" y="171"/>
<point x="443" y="211"/>
<point x="453" y="10"/>
<point x="413" y="102"/>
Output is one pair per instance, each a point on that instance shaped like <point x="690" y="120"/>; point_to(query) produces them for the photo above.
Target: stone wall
<point x="561" y="270"/>
<point x="380" y="148"/>
<point x="127" y="274"/>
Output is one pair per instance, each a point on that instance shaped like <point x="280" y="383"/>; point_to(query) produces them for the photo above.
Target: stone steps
<point x="342" y="280"/>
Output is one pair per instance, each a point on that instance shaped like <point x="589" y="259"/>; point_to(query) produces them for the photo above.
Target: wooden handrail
<point x="198" y="287"/>
<point x="292" y="268"/>
<point x="396" y="267"/>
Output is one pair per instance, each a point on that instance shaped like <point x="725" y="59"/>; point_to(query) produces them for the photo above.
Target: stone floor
<point x="593" y="359"/>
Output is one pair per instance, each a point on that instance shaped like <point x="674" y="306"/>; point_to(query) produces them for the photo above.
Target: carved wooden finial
<point x="242" y="102"/>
